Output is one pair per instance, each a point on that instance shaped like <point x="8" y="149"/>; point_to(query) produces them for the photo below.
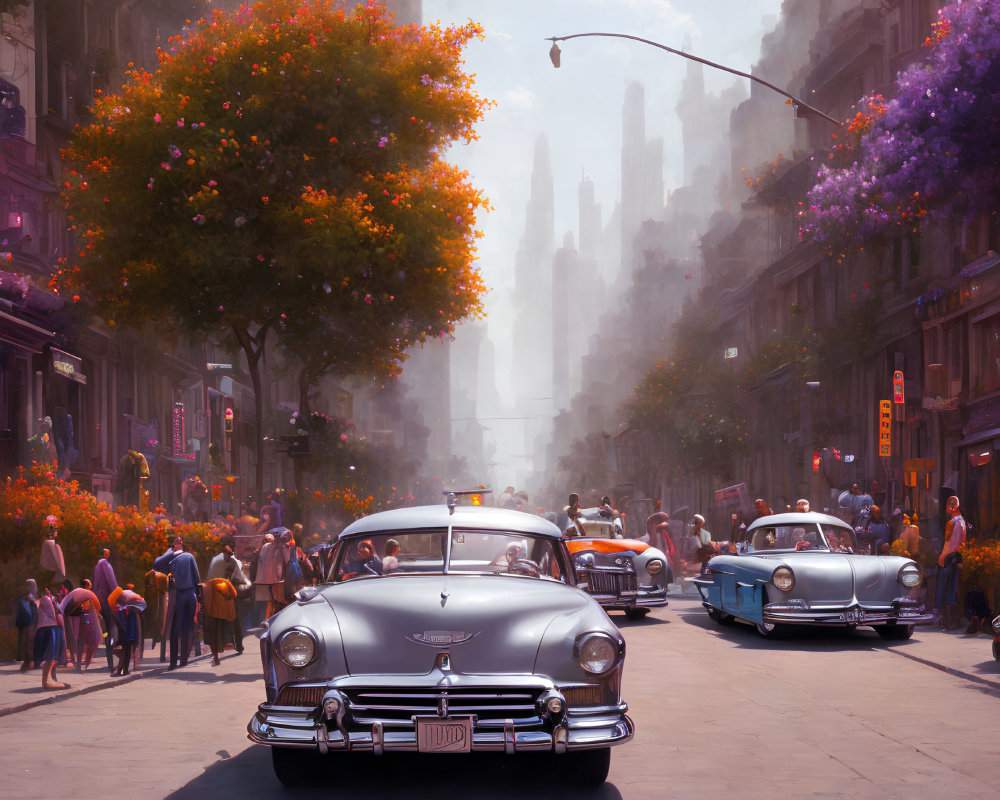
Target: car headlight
<point x="654" y="566"/>
<point x="909" y="575"/>
<point x="297" y="648"/>
<point x="597" y="653"/>
<point x="783" y="578"/>
<point x="996" y="625"/>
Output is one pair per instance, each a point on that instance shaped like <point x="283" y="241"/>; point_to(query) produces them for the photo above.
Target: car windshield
<point x="407" y="552"/>
<point x="808" y="536"/>
<point x="594" y="529"/>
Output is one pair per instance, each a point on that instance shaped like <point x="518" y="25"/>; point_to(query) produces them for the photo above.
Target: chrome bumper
<point x="901" y="612"/>
<point x="643" y="597"/>
<point x="299" y="727"/>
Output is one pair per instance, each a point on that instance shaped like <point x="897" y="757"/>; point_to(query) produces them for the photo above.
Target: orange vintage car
<point x="621" y="574"/>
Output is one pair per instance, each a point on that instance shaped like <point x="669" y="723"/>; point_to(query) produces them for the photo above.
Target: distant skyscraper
<point x="642" y="172"/>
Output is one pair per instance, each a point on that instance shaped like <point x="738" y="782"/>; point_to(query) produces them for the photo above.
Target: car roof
<point x="798" y="518"/>
<point x="438" y="516"/>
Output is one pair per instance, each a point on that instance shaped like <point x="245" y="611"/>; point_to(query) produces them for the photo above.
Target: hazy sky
<point x="579" y="106"/>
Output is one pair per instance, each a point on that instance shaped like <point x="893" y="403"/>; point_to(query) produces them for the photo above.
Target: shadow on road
<point x="475" y="777"/>
<point x="796" y="637"/>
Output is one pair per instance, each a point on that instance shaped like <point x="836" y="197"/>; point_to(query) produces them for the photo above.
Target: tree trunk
<point x="253" y="348"/>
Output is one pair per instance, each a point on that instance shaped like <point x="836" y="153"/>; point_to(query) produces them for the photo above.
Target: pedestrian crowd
<point x="257" y="571"/>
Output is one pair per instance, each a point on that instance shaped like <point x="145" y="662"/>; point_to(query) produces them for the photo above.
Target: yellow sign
<point x="885" y="428"/>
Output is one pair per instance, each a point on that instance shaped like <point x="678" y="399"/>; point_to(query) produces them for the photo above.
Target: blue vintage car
<point x="443" y="629"/>
<point x="804" y="569"/>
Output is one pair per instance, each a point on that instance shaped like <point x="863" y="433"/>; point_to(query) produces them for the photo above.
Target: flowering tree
<point x="281" y="173"/>
<point x="932" y="150"/>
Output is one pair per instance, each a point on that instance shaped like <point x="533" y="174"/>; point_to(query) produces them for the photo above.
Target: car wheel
<point x="295" y="768"/>
<point x="770" y="630"/>
<point x="587" y="767"/>
<point x="720" y="617"/>
<point x="894" y="632"/>
<point x="636" y="613"/>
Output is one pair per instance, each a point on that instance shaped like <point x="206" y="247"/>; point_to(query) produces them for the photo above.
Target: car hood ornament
<point x="442" y="638"/>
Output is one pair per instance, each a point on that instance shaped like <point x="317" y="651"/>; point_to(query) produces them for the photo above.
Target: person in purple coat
<point x="105" y="583"/>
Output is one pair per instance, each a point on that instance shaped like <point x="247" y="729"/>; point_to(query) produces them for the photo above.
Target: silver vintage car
<point x="443" y="629"/>
<point x="804" y="568"/>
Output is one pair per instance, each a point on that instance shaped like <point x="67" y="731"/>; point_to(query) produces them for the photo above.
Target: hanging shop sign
<point x="178" y="436"/>
<point x="68" y="366"/>
<point x="885" y="428"/>
<point x="897" y="386"/>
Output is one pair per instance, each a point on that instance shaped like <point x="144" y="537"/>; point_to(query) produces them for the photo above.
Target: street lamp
<point x="802" y="109"/>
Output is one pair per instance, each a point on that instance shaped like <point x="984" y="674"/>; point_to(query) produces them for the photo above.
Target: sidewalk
<point x="20" y="691"/>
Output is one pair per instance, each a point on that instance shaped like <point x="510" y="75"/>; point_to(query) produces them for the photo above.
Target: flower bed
<point x="981" y="567"/>
<point x="86" y="526"/>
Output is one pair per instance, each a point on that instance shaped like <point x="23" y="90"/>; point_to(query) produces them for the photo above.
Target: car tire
<point x="636" y="613"/>
<point x="996" y="649"/>
<point x="295" y="768"/>
<point x="894" y="632"/>
<point x="720" y="617"/>
<point x="770" y="630"/>
<point x="587" y="768"/>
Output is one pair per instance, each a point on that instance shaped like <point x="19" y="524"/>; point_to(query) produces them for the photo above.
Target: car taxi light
<point x="783" y="578"/>
<point x="910" y="575"/>
<point x="654" y="567"/>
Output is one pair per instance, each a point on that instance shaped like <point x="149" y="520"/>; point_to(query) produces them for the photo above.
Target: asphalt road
<point x="719" y="712"/>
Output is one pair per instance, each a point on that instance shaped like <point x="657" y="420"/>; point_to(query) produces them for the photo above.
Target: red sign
<point x="897" y="387"/>
<point x="216" y="492"/>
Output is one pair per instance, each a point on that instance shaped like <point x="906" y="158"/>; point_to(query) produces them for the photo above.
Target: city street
<point x="718" y="711"/>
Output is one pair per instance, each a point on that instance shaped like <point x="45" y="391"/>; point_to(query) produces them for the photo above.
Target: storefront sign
<point x="885" y="428"/>
<point x="68" y="366"/>
<point x="897" y="387"/>
<point x="178" y="437"/>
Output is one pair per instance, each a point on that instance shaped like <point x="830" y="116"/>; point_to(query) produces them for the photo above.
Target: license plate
<point x="452" y="735"/>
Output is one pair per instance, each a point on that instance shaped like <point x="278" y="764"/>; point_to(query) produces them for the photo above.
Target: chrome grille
<point x="300" y="696"/>
<point x="605" y="581"/>
<point x="397" y="707"/>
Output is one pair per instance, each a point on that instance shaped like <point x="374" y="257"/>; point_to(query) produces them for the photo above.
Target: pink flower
<point x="157" y="117"/>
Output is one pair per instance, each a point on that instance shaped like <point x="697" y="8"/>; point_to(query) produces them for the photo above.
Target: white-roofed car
<point x="803" y="568"/>
<point x="477" y="640"/>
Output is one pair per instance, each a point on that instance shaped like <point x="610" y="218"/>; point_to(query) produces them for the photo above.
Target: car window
<point x="840" y="540"/>
<point x="788" y="537"/>
<point x="504" y="554"/>
<point x="390" y="553"/>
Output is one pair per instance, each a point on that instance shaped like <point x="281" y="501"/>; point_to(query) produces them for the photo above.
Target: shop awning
<point x="979" y="436"/>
